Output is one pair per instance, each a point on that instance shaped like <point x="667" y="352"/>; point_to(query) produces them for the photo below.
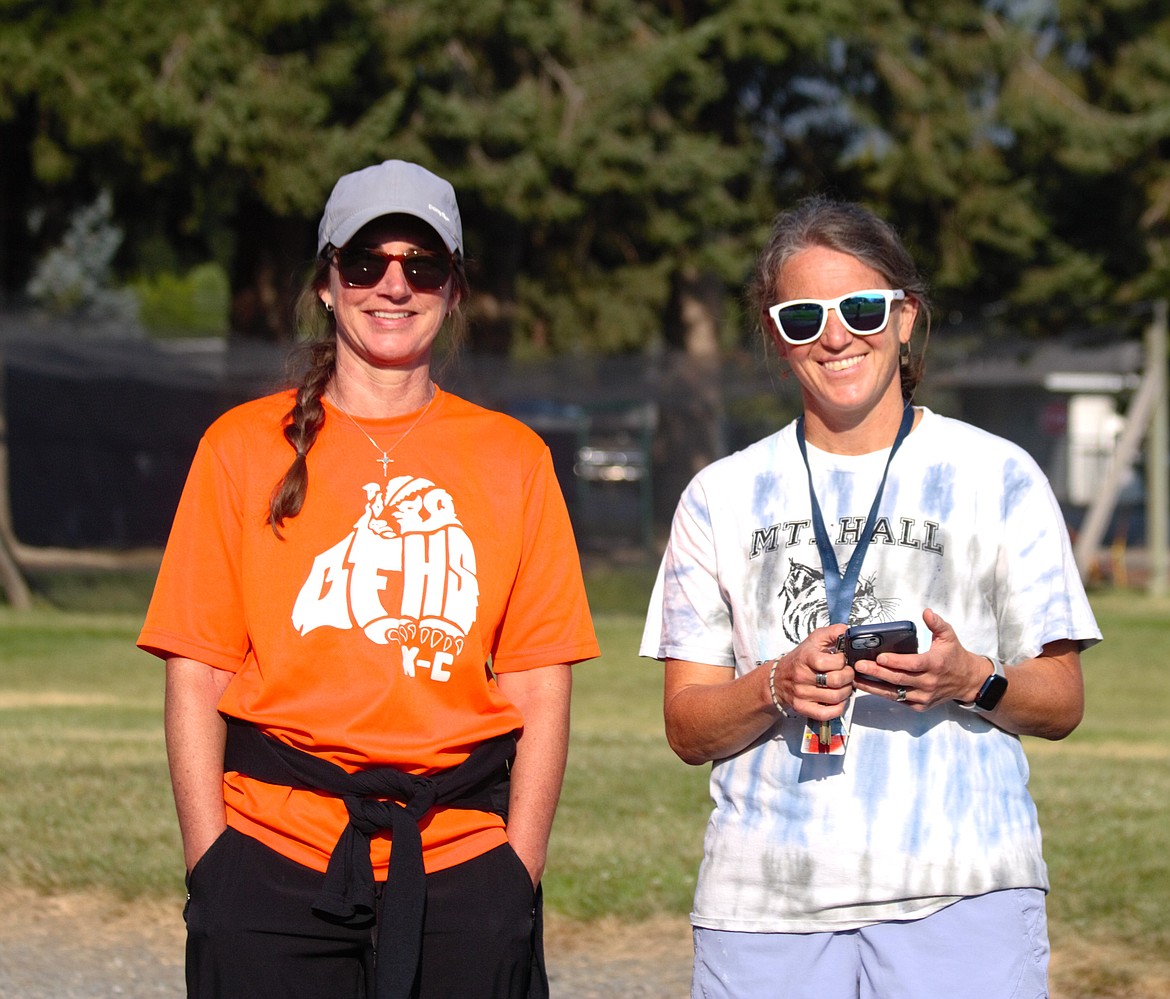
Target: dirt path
<point x="89" y="946"/>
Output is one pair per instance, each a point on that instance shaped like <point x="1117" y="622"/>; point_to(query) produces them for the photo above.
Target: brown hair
<point x="846" y="227"/>
<point x="318" y="327"/>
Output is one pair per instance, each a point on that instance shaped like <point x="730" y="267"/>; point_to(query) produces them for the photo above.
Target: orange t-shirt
<point x="365" y="635"/>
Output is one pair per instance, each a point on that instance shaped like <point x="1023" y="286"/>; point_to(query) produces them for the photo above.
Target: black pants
<point x="252" y="934"/>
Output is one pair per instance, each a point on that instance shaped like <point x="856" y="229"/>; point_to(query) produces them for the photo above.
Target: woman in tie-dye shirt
<point x="907" y="863"/>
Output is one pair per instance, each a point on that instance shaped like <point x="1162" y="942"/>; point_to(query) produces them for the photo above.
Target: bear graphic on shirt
<point x="405" y="574"/>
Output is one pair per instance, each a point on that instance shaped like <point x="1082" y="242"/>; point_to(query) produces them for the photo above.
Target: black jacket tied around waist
<point x="378" y="799"/>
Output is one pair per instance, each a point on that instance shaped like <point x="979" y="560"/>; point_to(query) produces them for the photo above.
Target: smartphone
<point x="865" y="641"/>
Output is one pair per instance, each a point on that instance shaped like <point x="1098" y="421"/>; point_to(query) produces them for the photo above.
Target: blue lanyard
<point x="839" y="589"/>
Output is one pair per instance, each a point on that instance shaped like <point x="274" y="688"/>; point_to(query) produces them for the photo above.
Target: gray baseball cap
<point x="394" y="187"/>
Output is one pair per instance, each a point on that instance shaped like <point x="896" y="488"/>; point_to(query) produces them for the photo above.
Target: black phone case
<point x="866" y="641"/>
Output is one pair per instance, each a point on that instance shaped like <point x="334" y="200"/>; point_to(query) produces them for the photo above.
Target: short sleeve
<point x="1041" y="597"/>
<point x="547" y="619"/>
<point x="196" y="610"/>
<point x="689" y="615"/>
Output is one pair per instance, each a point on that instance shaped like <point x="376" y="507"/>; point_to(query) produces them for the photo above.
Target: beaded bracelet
<point x="772" y="688"/>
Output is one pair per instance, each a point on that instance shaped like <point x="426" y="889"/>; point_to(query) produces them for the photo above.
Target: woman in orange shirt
<point x="368" y="607"/>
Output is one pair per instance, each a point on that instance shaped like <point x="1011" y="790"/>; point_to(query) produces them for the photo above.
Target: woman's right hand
<point x="711" y="713"/>
<point x="195" y="736"/>
<point x="196" y="845"/>
<point x="813" y="680"/>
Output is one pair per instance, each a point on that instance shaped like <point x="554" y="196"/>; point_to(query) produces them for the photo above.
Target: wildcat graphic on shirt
<point x="409" y="530"/>
<point x="804" y="607"/>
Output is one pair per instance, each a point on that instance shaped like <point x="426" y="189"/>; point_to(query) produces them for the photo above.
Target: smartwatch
<point x="992" y="691"/>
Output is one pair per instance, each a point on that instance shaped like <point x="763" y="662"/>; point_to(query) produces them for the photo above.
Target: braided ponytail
<point x="304" y="421"/>
<point x="303" y="424"/>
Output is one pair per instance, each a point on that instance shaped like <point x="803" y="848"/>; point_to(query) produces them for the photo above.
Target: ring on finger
<point x="901" y="694"/>
<point x="822" y="680"/>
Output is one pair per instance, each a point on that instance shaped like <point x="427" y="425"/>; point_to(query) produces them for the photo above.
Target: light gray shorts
<point x="992" y="946"/>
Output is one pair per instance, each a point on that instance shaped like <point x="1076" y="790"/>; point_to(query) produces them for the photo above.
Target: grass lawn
<point x="1102" y="795"/>
<point x="84" y="796"/>
<point x="85" y="802"/>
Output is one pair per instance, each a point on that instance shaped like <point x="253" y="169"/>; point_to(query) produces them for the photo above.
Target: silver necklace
<point x="386" y="461"/>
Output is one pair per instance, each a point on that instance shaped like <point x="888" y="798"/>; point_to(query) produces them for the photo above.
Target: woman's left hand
<point x="944" y="672"/>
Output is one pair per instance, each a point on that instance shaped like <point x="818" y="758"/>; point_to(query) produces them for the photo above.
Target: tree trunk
<point x="273" y="258"/>
<point x="690" y="425"/>
<point x="15" y="189"/>
<point x="11" y="577"/>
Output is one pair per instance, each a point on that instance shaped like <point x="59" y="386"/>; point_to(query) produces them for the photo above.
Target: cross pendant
<point x="385" y="461"/>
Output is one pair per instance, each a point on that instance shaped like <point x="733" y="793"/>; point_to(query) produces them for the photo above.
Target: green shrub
<point x="192" y="304"/>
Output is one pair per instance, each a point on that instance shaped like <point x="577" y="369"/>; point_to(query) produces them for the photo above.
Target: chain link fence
<point x="100" y="431"/>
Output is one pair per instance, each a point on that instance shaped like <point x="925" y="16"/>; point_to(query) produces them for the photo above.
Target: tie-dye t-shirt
<point x="924" y="807"/>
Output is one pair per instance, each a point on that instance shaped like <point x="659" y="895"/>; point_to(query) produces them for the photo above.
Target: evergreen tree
<point x="1019" y="145"/>
<point x="603" y="151"/>
<point x="1088" y="98"/>
<point x="617" y="160"/>
<point x="74" y="278"/>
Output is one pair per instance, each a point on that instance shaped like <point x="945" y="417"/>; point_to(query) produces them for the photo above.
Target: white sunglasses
<point x="864" y="313"/>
